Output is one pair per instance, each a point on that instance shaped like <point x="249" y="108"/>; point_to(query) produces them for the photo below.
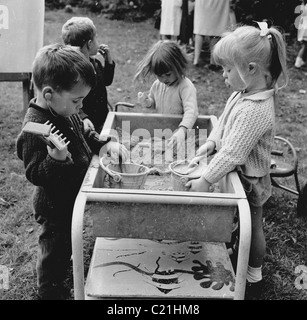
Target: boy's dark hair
<point x="61" y="67"/>
<point x="78" y="30"/>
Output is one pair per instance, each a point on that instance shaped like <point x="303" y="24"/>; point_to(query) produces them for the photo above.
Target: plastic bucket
<point x="126" y="175"/>
<point x="179" y="180"/>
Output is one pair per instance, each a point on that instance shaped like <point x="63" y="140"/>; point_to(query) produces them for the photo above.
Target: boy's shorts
<point x="258" y="189"/>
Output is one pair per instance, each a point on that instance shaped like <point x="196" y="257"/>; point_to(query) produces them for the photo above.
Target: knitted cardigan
<point x="243" y="136"/>
<point x="179" y="98"/>
<point x="56" y="182"/>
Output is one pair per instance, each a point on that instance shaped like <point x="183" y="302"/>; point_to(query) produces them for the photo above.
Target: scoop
<point x="183" y="168"/>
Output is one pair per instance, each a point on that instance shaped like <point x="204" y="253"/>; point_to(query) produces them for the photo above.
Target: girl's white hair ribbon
<point x="264" y="30"/>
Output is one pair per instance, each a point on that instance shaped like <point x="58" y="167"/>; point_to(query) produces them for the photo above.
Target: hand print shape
<point x="210" y="274"/>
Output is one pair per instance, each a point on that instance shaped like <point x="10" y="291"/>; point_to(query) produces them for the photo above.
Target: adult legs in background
<point x="197" y="48"/>
<point x="301" y="56"/>
<point x="199" y="40"/>
<point x="213" y="41"/>
<point x="166" y="37"/>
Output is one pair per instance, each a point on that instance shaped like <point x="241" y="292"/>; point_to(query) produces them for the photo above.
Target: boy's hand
<point x="88" y="125"/>
<point x="117" y="150"/>
<point x="105" y="52"/>
<point x="57" y="154"/>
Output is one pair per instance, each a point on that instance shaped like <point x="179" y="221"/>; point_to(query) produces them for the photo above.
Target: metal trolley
<point x="159" y="243"/>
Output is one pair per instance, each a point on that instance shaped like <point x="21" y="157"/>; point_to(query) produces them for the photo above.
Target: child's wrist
<point x="207" y="184"/>
<point x="148" y="102"/>
<point x="109" y="60"/>
<point x="184" y="129"/>
<point x="58" y="156"/>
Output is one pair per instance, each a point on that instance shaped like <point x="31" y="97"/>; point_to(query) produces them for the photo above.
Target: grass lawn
<point x="285" y="233"/>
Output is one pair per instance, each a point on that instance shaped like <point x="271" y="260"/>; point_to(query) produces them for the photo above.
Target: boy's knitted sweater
<point x="176" y="99"/>
<point x="243" y="136"/>
<point x="57" y="182"/>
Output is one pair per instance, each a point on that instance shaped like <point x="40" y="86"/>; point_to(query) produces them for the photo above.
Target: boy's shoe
<point x="253" y="291"/>
<point x="299" y="62"/>
<point x="56" y="292"/>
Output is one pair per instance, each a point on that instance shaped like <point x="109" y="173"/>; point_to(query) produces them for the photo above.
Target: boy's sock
<point x="254" y="274"/>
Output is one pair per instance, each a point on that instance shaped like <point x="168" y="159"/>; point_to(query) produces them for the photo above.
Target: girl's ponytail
<point x="278" y="64"/>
